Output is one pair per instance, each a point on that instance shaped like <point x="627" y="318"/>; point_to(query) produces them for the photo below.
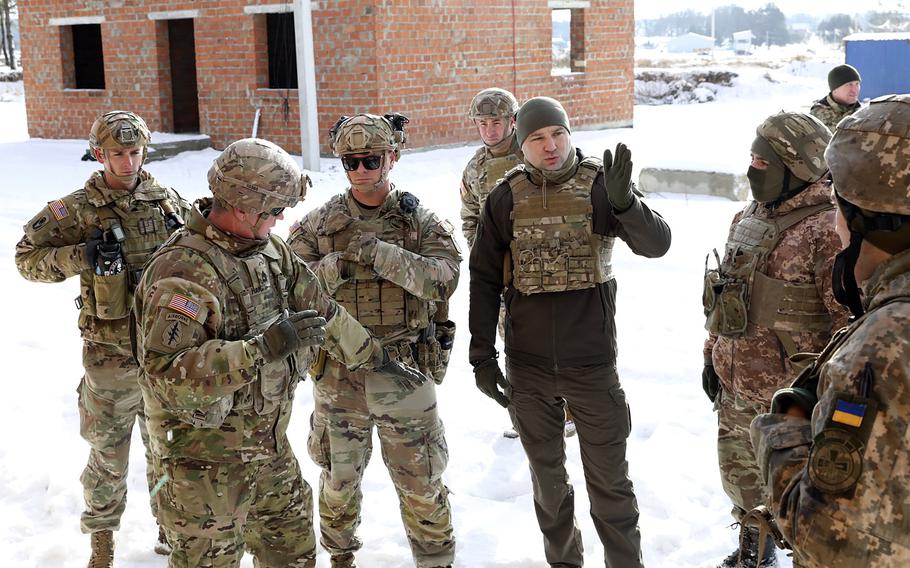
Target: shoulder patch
<point x="445" y="227"/>
<point x="58" y="209"/>
<point x="514" y="173"/>
<point x="183" y="305"/>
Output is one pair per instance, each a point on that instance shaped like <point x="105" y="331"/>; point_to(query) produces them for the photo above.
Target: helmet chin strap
<point x="380" y="183"/>
<point x="129" y="180"/>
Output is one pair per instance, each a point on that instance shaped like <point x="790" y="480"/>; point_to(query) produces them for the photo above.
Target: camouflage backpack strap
<point x="218" y="260"/>
<point x="588" y="168"/>
<point x="797" y="215"/>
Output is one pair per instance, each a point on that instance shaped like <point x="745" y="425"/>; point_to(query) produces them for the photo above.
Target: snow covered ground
<point x="684" y="512"/>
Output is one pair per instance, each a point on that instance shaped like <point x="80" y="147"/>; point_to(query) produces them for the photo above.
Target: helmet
<point x="367" y="132"/>
<point x="869" y="156"/>
<point x="117" y="130"/>
<point x="255" y="175"/>
<point x="799" y="140"/>
<point x="493" y="103"/>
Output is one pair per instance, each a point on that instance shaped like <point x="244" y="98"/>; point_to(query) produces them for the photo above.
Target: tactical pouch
<point x="211" y="416"/>
<point x="724" y="301"/>
<point x="112" y="296"/>
<point x="272" y="387"/>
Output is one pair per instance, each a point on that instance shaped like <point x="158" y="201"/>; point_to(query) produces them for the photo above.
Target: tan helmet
<point x="368" y="132"/>
<point x="799" y="140"/>
<point x="869" y="156"/>
<point x="118" y="130"/>
<point x="255" y="175"/>
<point x="493" y="103"/>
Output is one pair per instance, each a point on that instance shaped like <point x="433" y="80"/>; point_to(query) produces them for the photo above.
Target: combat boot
<point x="344" y="560"/>
<point x="102" y="550"/>
<point x="746" y="554"/>
<point x="162" y="547"/>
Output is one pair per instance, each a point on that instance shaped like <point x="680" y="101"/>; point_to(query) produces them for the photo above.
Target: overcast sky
<point x="645" y="9"/>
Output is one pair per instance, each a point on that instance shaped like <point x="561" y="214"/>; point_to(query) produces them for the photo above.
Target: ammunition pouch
<point x="112" y="296"/>
<point x="724" y="301"/>
<point x="435" y="349"/>
<point x="211" y="416"/>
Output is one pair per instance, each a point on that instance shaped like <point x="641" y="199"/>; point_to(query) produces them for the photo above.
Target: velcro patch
<point x="58" y="209"/>
<point x="183" y="305"/>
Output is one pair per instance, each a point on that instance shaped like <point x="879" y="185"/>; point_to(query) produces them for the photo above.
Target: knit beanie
<point x="841" y="75"/>
<point x="538" y="113"/>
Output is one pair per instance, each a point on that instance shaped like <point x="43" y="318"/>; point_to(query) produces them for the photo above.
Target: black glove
<point x="618" y="178"/>
<point x="103" y="253"/>
<point x="301" y="329"/>
<point x="489" y="378"/>
<point x="783" y="399"/>
<point x="91" y="248"/>
<point x="405" y="377"/>
<point x="710" y="382"/>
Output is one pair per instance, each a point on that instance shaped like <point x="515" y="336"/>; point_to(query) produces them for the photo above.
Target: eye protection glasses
<point x="351" y="163"/>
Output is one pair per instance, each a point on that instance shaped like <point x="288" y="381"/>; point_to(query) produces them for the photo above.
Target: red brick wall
<point x="423" y="58"/>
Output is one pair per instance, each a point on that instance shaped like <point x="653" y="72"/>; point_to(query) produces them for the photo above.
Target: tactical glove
<point x="103" y="253"/>
<point x="91" y="248"/>
<point x="406" y="378"/>
<point x="362" y="249"/>
<point x="489" y="378"/>
<point x="710" y="382"/>
<point x="618" y="178"/>
<point x="301" y="329"/>
<point x="801" y="398"/>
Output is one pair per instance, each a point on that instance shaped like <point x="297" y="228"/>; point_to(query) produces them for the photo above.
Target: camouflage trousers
<point x="109" y="404"/>
<point x="411" y="435"/>
<point x="211" y="512"/>
<point x="739" y="472"/>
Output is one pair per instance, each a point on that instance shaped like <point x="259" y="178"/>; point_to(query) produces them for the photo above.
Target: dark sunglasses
<point x="276" y="211"/>
<point x="351" y="163"/>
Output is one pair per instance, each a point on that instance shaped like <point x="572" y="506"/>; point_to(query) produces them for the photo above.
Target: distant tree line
<point x="768" y="24"/>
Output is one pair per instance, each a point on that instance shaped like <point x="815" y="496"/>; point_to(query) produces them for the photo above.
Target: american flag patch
<point x="182" y="304"/>
<point x="58" y="209"/>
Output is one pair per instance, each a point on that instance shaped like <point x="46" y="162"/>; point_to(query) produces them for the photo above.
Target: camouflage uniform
<point x="217" y="406"/>
<point x="754" y="362"/>
<point x="54" y="249"/>
<point x="830" y="112"/>
<point x="840" y="480"/>
<point x="395" y="296"/>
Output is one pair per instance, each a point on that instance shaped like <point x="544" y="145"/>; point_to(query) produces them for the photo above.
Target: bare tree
<point x="6" y="32"/>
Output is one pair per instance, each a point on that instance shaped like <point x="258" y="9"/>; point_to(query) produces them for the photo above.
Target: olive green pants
<point x="538" y="399"/>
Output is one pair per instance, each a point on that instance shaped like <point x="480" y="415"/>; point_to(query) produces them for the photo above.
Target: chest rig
<point x="553" y="246"/>
<point x="383" y="307"/>
<point x="494" y="169"/>
<point x="258" y="298"/>
<point x="739" y="291"/>
<point x="140" y="222"/>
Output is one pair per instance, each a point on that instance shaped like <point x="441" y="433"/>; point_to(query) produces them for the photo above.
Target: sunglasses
<point x="276" y="211"/>
<point x="351" y="163"/>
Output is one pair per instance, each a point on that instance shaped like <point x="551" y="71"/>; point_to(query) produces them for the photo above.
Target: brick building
<point x="207" y="66"/>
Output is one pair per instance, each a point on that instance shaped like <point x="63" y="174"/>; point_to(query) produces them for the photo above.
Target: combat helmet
<point x="118" y="130"/>
<point x="799" y="140"/>
<point x="365" y="132"/>
<point x="869" y="157"/>
<point x="255" y="176"/>
<point x="493" y="103"/>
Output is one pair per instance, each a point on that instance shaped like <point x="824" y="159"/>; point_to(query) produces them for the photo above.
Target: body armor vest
<point x="386" y="309"/>
<point x="739" y="291"/>
<point x="554" y="248"/>
<point x="146" y="219"/>
<point x="258" y="298"/>
<point x="494" y="169"/>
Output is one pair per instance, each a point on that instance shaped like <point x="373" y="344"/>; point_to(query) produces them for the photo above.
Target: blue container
<point x="883" y="62"/>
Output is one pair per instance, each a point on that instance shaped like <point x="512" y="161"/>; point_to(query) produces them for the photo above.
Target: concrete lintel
<point x="568" y="4"/>
<point x="698" y="182"/>
<point x="75" y="21"/>
<point x="174" y="15"/>
<point x="282" y="8"/>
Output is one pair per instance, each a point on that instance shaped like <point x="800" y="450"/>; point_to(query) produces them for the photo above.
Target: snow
<point x="672" y="455"/>
<point x="879" y="36"/>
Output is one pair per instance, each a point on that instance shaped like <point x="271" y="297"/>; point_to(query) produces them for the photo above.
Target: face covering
<point x="767" y="184"/>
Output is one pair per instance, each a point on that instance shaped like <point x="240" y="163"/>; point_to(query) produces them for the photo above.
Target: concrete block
<point x="721" y="184"/>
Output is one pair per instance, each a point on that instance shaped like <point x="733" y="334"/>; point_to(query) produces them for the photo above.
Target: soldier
<point x="842" y="99"/>
<point x="769" y="299"/>
<point x="104" y="233"/>
<point x="390" y="262"/>
<point x="553" y="221"/>
<point x="838" y="466"/>
<point x="228" y="321"/>
<point x="493" y="113"/>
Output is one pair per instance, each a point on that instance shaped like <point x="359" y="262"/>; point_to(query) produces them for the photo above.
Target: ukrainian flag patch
<point x="849" y="413"/>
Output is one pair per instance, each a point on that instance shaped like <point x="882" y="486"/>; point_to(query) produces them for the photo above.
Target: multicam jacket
<point x="480" y="176"/>
<point x="756" y="364"/>
<point x="205" y="296"/>
<point x="830" y="112"/>
<point x="53" y="248"/>
<point x="840" y="481"/>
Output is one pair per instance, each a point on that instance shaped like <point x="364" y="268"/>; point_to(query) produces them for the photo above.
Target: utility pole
<point x="306" y="84"/>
